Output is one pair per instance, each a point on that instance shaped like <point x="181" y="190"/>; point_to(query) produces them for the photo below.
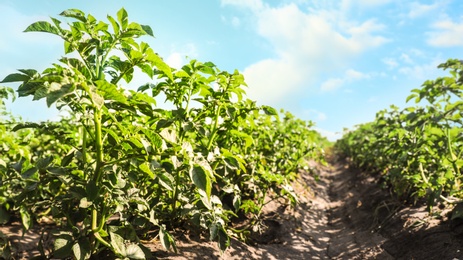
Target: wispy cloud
<point x="234" y="21"/>
<point x="390" y="62"/>
<point x="306" y="43"/>
<point x="349" y="76"/>
<point x="315" y="115"/>
<point x="446" y="33"/>
<point x="179" y="55"/>
<point x="422" y="71"/>
<point x="348" y="4"/>
<point x="419" y="10"/>
<point x="254" y="5"/>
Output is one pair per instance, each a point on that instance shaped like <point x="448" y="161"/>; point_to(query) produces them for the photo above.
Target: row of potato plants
<point x="120" y="167"/>
<point x="418" y="149"/>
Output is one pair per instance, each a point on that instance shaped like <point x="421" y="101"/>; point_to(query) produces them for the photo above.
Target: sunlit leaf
<point x="167" y="240"/>
<point x="82" y="249"/>
<point x="118" y="244"/>
<point x="74" y="13"/>
<point x="135" y="252"/>
<point x="63" y="245"/>
<point x="122" y="18"/>
<point x="58" y="91"/>
<point x="15" y="77"/>
<point x="201" y="179"/>
<point x="42" y="26"/>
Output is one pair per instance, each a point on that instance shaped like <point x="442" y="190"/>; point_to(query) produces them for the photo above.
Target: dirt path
<point x="343" y="215"/>
<point x="332" y="221"/>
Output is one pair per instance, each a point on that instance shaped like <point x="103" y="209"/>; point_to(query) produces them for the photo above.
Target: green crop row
<point x="120" y="167"/>
<point x="418" y="149"/>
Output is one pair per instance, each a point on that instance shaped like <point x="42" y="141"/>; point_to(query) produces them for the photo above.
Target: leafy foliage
<point x="418" y="149"/>
<point x="121" y="166"/>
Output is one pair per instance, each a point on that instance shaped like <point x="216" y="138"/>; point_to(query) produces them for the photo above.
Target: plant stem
<point x="99" y="146"/>
<point x="214" y="129"/>
<point x="98" y="169"/>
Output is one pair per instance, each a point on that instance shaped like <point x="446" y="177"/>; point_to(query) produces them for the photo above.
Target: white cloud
<point x="350" y="4"/>
<point x="177" y="59"/>
<point x="332" y="84"/>
<point x="235" y="21"/>
<point x="306" y="44"/>
<point x="390" y="62"/>
<point x="355" y="75"/>
<point x="349" y="76"/>
<point x="446" y="34"/>
<point x="406" y="58"/>
<point x="314" y="114"/>
<point x="422" y="71"/>
<point x="254" y="5"/>
<point x="418" y="10"/>
<point x="330" y="135"/>
<point x="272" y="79"/>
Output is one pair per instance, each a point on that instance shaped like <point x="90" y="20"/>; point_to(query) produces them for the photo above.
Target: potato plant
<point x="419" y="148"/>
<point x="120" y="167"/>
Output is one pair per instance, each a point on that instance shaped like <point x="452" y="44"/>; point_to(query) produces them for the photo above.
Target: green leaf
<point x="115" y="25"/>
<point x="169" y="135"/>
<point x="92" y="190"/>
<point x="201" y="179"/>
<point x="147" y="29"/>
<point x="63" y="245"/>
<point x="58" y="91"/>
<point x="159" y="63"/>
<point x="29" y="72"/>
<point x="42" y="26"/>
<point x="118" y="244"/>
<point x="84" y="203"/>
<point x="134" y="30"/>
<point x="29" y="88"/>
<point x="97" y="100"/>
<point x="110" y="92"/>
<point x="457" y="212"/>
<point x="25" y="125"/>
<point x="25" y="217"/>
<point x="167" y="241"/>
<point x="145" y="167"/>
<point x="112" y="134"/>
<point x="122" y="17"/>
<point x="155" y="139"/>
<point x="269" y="110"/>
<point x="4" y="216"/>
<point x="223" y="239"/>
<point x="135" y="252"/>
<point x="30" y="174"/>
<point x="74" y="13"/>
<point x="15" y="77"/>
<point x="166" y="180"/>
<point x="82" y="249"/>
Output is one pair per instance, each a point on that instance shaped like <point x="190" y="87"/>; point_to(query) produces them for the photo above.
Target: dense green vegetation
<point x="121" y="166"/>
<point x="418" y="149"/>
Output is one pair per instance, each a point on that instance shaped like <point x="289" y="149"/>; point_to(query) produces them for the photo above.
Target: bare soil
<point x="343" y="215"/>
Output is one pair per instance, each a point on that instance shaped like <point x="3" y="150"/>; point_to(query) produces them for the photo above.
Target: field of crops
<point x="418" y="149"/>
<point x="122" y="169"/>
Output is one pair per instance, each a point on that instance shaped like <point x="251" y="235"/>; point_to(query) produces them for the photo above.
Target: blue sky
<point x="333" y="62"/>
